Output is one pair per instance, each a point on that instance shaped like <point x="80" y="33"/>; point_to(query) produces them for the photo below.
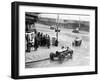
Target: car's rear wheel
<point x="71" y="54"/>
<point x="52" y="56"/>
<point x="80" y="42"/>
<point x="61" y="57"/>
<point x="72" y="43"/>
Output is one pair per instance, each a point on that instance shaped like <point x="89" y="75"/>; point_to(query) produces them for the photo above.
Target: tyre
<point x="52" y="56"/>
<point x="71" y="54"/>
<point x="76" y="43"/>
<point x="72" y="43"/>
<point x="80" y="42"/>
<point x="61" y="57"/>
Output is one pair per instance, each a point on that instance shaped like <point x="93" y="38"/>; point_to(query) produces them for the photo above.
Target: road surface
<point x="65" y="37"/>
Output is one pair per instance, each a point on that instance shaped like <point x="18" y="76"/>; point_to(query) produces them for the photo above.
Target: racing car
<point x="61" y="54"/>
<point x="52" y="27"/>
<point x="76" y="30"/>
<point x="77" y="42"/>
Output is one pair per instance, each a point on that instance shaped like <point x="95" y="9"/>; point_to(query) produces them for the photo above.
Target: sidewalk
<point x="42" y="53"/>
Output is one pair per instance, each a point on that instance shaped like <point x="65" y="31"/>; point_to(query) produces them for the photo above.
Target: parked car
<point x="61" y="54"/>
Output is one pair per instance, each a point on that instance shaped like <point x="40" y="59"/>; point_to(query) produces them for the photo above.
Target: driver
<point x="68" y="49"/>
<point x="62" y="49"/>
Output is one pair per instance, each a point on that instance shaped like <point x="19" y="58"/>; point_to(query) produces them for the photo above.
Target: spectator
<point x="48" y="41"/>
<point x="56" y="42"/>
<point x="35" y="43"/>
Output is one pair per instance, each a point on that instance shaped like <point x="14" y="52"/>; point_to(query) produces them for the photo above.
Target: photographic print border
<point x="15" y="39"/>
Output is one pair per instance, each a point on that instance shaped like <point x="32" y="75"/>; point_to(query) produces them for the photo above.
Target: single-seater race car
<point x="77" y="42"/>
<point x="76" y="30"/>
<point x="61" y="54"/>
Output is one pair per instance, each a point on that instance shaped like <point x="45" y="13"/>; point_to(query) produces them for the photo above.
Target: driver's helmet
<point x="67" y="48"/>
<point x="62" y="47"/>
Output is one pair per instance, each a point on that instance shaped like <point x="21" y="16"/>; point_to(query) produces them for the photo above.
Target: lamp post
<point x="79" y="23"/>
<point x="57" y="26"/>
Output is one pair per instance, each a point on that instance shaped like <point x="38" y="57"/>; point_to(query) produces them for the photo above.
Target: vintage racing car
<point x="52" y="27"/>
<point x="76" y="30"/>
<point x="77" y="42"/>
<point x="61" y="54"/>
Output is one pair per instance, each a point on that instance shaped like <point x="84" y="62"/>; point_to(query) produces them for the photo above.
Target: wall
<point x="5" y="42"/>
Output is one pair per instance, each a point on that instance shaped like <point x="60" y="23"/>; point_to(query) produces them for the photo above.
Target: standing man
<point x="56" y="42"/>
<point x="35" y="43"/>
<point x="28" y="42"/>
<point x="48" y="41"/>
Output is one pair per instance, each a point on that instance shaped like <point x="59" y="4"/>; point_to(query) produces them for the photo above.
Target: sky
<point x="65" y="16"/>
